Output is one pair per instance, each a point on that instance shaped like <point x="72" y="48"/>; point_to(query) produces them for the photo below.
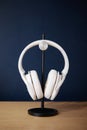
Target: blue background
<point x="24" y="21"/>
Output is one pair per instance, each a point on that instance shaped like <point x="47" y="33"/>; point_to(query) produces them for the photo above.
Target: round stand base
<point x="42" y="112"/>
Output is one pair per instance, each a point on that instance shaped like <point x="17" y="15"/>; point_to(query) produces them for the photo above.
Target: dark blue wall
<point x="24" y="21"/>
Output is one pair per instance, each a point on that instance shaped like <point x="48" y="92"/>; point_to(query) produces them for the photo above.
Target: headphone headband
<point x="51" y="43"/>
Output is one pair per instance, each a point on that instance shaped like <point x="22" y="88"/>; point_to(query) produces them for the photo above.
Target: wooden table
<point x="72" y="116"/>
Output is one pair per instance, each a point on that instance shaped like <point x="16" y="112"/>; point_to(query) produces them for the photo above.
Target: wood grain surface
<point x="72" y="116"/>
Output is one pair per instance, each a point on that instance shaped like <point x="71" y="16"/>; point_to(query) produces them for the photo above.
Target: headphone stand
<point x="42" y="112"/>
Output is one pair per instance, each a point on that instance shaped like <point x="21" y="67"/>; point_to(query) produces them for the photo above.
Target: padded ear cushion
<point x="30" y="87"/>
<point x="36" y="84"/>
<point x="59" y="82"/>
<point x="56" y="87"/>
<point x="35" y="88"/>
<point x="50" y="83"/>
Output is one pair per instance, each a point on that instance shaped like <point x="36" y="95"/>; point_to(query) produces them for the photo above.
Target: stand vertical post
<point x="43" y="73"/>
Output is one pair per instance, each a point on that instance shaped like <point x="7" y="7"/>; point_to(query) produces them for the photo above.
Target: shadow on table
<point x="66" y="106"/>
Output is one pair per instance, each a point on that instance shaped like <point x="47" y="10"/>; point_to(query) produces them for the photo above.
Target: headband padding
<point x="50" y="83"/>
<point x="36" y="84"/>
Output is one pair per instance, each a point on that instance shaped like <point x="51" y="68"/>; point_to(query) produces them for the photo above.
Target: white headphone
<point x="54" y="79"/>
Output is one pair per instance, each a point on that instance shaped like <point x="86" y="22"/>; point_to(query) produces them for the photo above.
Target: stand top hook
<point x="43" y="45"/>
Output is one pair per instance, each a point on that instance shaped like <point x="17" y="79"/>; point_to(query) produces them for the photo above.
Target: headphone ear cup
<point x="30" y="87"/>
<point x="56" y="87"/>
<point x="59" y="82"/>
<point x="36" y="84"/>
<point x="50" y="83"/>
<point x="33" y="85"/>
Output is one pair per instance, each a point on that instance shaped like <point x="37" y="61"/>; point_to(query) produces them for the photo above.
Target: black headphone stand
<point x="42" y="112"/>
